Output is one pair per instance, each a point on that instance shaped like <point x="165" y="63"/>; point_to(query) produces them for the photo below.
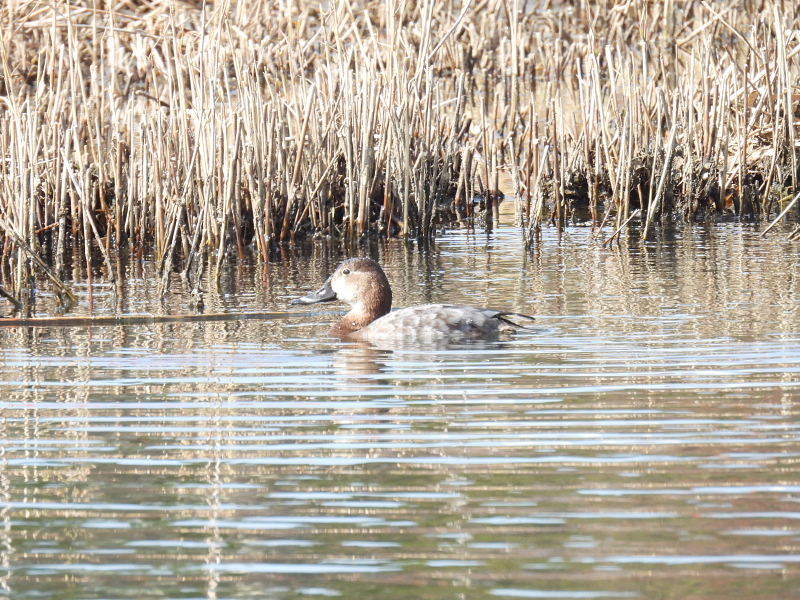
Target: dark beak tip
<point x="324" y="294"/>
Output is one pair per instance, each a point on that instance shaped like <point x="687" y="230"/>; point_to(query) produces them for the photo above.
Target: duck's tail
<point x="503" y="317"/>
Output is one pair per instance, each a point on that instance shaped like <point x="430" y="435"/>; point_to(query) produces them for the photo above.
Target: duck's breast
<point x="433" y="322"/>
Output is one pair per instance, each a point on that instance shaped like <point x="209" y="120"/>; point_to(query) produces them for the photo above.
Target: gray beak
<point x="323" y="294"/>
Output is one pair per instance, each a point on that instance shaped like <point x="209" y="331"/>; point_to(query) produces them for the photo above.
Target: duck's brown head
<point x="361" y="283"/>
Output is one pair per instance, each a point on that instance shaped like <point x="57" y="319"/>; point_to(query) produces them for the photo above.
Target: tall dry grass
<point x="198" y="130"/>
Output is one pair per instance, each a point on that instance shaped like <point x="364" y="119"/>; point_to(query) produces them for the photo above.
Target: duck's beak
<point x="323" y="294"/>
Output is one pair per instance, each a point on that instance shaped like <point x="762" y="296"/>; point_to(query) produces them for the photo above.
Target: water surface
<point x="643" y="443"/>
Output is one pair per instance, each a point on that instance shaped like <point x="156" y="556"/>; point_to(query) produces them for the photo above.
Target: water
<point x="642" y="444"/>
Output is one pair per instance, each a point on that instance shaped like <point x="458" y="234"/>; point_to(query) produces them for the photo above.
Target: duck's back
<point x="434" y="322"/>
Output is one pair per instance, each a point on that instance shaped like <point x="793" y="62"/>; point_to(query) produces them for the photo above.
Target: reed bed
<point x="199" y="132"/>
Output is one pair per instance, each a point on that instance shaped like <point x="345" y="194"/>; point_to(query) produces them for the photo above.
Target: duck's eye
<point x="346" y="272"/>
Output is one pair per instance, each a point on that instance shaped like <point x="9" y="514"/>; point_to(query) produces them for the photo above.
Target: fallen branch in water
<point x="108" y="321"/>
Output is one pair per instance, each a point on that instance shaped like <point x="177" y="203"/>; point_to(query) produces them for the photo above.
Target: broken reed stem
<point x="22" y="244"/>
<point x="11" y="298"/>
<point x="622" y="226"/>
<point x="782" y="214"/>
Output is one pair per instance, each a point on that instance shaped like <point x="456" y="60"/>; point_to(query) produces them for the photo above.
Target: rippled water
<point x="642" y="444"/>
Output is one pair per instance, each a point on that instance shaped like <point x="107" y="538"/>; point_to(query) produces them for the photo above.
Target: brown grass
<point x="201" y="131"/>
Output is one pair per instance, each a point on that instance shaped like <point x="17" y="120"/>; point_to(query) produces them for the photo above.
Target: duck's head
<point x="359" y="282"/>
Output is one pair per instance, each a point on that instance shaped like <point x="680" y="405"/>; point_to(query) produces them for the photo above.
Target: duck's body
<point x="435" y="323"/>
<point x="361" y="283"/>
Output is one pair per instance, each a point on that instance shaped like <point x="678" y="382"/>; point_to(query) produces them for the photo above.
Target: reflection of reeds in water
<point x="201" y="133"/>
<point x="6" y="547"/>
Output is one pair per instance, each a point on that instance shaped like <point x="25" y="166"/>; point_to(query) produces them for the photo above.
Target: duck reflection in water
<point x="361" y="366"/>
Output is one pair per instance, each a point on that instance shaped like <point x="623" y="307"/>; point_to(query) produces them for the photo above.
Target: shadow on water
<point x="643" y="443"/>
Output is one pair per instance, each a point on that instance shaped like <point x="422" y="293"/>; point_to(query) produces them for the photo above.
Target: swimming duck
<point x="362" y="284"/>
